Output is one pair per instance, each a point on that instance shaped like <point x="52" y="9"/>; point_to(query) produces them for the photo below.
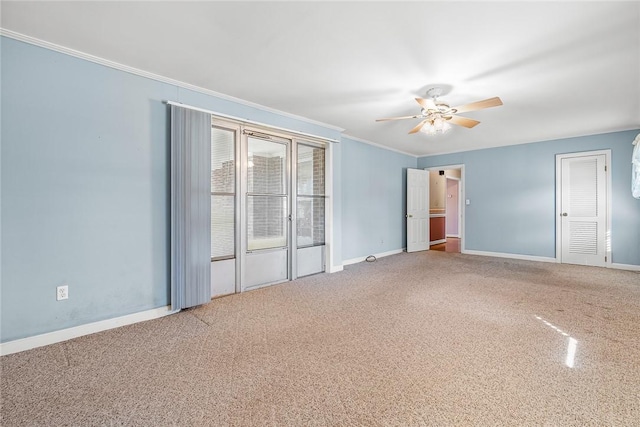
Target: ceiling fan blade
<point x="491" y="102"/>
<point x="417" y="128"/>
<point x="426" y="103"/>
<point x="397" y="118"/>
<point x="463" y="121"/>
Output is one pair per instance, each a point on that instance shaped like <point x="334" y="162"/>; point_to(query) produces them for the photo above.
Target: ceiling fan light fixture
<point x="436" y="126"/>
<point x="438" y="123"/>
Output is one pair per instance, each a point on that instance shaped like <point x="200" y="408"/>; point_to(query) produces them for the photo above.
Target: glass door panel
<point x="267" y="167"/>
<point x="267" y="222"/>
<point x="267" y="198"/>
<point x="311" y="167"/>
<point x="223" y="192"/>
<point x="222" y="227"/>
<point x="223" y="210"/>
<point x="267" y="211"/>
<point x="310" y="209"/>
<point x="310" y="221"/>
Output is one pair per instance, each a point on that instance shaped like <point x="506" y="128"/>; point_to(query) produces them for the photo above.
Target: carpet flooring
<point x="418" y="339"/>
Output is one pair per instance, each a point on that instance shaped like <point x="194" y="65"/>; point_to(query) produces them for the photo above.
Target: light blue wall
<point x="85" y="191"/>
<point x="512" y="194"/>
<point x="374" y="182"/>
<point x="85" y="188"/>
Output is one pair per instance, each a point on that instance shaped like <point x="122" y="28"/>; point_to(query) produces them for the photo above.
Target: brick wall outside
<point x="311" y="182"/>
<point x="267" y="217"/>
<point x="266" y="213"/>
<point x="318" y="189"/>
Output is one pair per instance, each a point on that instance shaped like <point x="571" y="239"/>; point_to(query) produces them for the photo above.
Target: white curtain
<point x="635" y="168"/>
<point x="190" y="208"/>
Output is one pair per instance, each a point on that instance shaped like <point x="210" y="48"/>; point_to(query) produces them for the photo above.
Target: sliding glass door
<point x="268" y="207"/>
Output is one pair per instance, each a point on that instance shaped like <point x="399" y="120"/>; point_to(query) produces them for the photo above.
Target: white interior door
<point x="417" y="210"/>
<point x="583" y="209"/>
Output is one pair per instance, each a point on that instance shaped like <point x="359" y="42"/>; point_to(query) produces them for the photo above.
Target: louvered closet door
<point x="583" y="210"/>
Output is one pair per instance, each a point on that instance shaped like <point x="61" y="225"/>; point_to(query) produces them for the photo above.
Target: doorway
<point x="268" y="207"/>
<point x="446" y="208"/>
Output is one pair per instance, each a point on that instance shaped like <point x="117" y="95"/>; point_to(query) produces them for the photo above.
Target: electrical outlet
<point x="62" y="292"/>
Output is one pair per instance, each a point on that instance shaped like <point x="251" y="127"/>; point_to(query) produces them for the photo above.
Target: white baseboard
<point x="380" y="255"/>
<point x="335" y="268"/>
<point x="512" y="256"/>
<point x="78" y="331"/>
<point x="629" y="267"/>
<point x="437" y="242"/>
<point x="457" y="236"/>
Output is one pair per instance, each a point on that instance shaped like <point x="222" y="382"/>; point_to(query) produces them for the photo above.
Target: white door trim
<point x="330" y="267"/>
<point x="559" y="158"/>
<point x="462" y="199"/>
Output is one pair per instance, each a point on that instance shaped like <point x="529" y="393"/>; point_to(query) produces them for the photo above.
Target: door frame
<point x="461" y="201"/>
<point x="292" y="152"/>
<point x="296" y="142"/>
<point x="287" y="141"/>
<point x="608" y="186"/>
<point x="240" y="218"/>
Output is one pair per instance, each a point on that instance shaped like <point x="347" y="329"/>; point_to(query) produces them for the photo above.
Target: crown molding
<point x="131" y="70"/>
<point x="384" y="147"/>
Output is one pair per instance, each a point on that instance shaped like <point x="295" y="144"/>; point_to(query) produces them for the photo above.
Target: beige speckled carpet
<point x="413" y="339"/>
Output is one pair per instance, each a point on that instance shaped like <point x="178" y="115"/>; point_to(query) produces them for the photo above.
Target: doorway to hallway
<point x="446" y="208"/>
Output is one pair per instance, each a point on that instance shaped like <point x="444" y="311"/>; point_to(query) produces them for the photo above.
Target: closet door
<point x="583" y="209"/>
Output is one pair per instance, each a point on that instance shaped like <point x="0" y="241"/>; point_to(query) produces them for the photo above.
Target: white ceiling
<point x="562" y="69"/>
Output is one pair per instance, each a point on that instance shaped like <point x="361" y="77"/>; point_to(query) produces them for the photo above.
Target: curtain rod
<point x="247" y="121"/>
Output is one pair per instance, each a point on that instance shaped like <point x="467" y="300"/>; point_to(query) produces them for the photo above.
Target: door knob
<point x="564" y="214"/>
<point x="409" y="216"/>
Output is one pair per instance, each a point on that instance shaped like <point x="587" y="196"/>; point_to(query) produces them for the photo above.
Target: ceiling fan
<point x="436" y="115"/>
